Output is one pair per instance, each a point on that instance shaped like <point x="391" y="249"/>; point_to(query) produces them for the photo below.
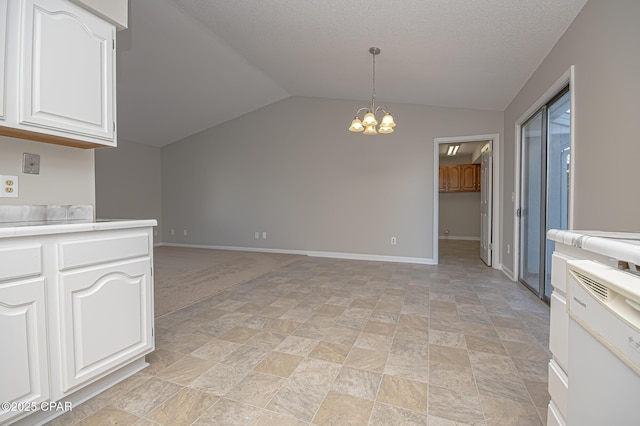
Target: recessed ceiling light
<point x="453" y="149"/>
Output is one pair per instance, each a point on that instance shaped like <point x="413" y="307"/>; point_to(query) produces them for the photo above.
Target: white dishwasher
<point x="604" y="345"/>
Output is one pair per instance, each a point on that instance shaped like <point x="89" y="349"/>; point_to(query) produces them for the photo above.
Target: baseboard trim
<point x="446" y="237"/>
<point x="326" y="254"/>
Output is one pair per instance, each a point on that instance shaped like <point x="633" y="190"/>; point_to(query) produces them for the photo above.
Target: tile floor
<point x="340" y="342"/>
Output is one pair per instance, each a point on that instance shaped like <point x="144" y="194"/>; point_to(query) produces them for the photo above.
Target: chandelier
<point x="369" y="121"/>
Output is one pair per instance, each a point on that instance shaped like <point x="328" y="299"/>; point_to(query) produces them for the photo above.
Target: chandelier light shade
<point x="367" y="125"/>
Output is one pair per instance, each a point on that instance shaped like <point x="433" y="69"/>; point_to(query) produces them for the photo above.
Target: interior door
<point x="486" y="201"/>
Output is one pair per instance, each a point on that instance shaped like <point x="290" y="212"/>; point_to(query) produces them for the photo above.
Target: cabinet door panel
<point x="442" y="179"/>
<point x="67" y="82"/>
<point x="453" y="178"/>
<point x="23" y="358"/>
<point x="468" y="177"/>
<point x="106" y="321"/>
<point x="3" y="52"/>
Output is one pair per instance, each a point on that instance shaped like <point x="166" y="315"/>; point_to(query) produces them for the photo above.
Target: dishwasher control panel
<point x="606" y="302"/>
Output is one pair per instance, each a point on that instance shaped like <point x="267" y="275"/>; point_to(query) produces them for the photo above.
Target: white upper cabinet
<point x="63" y="60"/>
<point x="3" y="51"/>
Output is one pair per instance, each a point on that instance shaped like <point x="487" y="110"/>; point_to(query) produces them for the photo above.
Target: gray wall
<point x="459" y="212"/>
<point x="66" y="174"/>
<point x="293" y="170"/>
<point x="128" y="182"/>
<point x="602" y="43"/>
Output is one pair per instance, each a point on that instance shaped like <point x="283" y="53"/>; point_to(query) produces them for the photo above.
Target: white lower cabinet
<point x="24" y="376"/>
<point x="105" y="320"/>
<point x="76" y="316"/>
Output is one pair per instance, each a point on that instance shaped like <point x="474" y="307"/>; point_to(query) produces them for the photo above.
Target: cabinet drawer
<point x="559" y="330"/>
<point x="20" y="262"/>
<point x="558" y="387"/>
<point x="559" y="271"/>
<point x="74" y="254"/>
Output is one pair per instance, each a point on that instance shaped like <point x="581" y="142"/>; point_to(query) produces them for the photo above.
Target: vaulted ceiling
<point x="187" y="65"/>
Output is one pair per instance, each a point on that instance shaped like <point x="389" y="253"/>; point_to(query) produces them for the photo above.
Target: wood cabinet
<point x="60" y="74"/>
<point x="459" y="178"/>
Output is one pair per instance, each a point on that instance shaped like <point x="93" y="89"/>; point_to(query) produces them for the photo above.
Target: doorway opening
<point x="466" y="193"/>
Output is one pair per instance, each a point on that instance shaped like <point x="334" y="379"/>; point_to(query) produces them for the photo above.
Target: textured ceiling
<point x="187" y="65"/>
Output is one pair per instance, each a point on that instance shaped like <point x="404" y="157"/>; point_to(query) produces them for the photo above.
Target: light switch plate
<point x="8" y="186"/>
<point x="31" y="164"/>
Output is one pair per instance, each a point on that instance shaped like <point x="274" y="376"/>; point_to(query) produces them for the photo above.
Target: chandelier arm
<point x="362" y="109"/>
<point x="382" y="108"/>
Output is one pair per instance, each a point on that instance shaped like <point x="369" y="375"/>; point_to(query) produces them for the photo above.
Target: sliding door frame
<point x="567" y="78"/>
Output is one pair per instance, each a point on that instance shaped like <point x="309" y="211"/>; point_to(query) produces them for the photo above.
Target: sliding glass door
<point x="544" y="189"/>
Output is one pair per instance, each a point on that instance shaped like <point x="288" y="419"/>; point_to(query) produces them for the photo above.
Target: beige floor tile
<point x="404" y="393"/>
<point x="503" y="411"/>
<point x="330" y="352"/>
<point x="256" y="389"/>
<point x="531" y="352"/>
<point x="387" y="415"/>
<point x="279" y="364"/>
<point x="455" y="406"/>
<point x="374" y="342"/>
<point x="228" y="412"/>
<point x="381" y="328"/>
<point x="268" y="418"/>
<point x="340" y="409"/>
<point x="182" y="408"/>
<point x="146" y="397"/>
<point x="444" y="354"/>
<point x="315" y="372"/>
<point x="507" y="386"/>
<point x="295" y="345"/>
<point x="185" y="370"/>
<point x="296" y="400"/>
<point x="215" y="349"/>
<point x="219" y="379"/>
<point x="366" y="359"/>
<point x="246" y="357"/>
<point x="283" y="326"/>
<point x="265" y="340"/>
<point x="238" y="334"/>
<point x="482" y="344"/>
<point x="109" y="416"/>
<point x="447" y="338"/>
<point x="358" y="383"/>
<point x="452" y="376"/>
<point x="160" y="359"/>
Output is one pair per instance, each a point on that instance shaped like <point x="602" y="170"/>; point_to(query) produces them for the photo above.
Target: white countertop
<point x="23" y="229"/>
<point x="618" y="245"/>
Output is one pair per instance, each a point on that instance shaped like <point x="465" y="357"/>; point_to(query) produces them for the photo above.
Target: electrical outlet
<point x="508" y="248"/>
<point x="264" y="235"/>
<point x="184" y="232"/>
<point x="9" y="186"/>
<point x="173" y="232"/>
<point x="257" y="235"/>
<point x="393" y="241"/>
